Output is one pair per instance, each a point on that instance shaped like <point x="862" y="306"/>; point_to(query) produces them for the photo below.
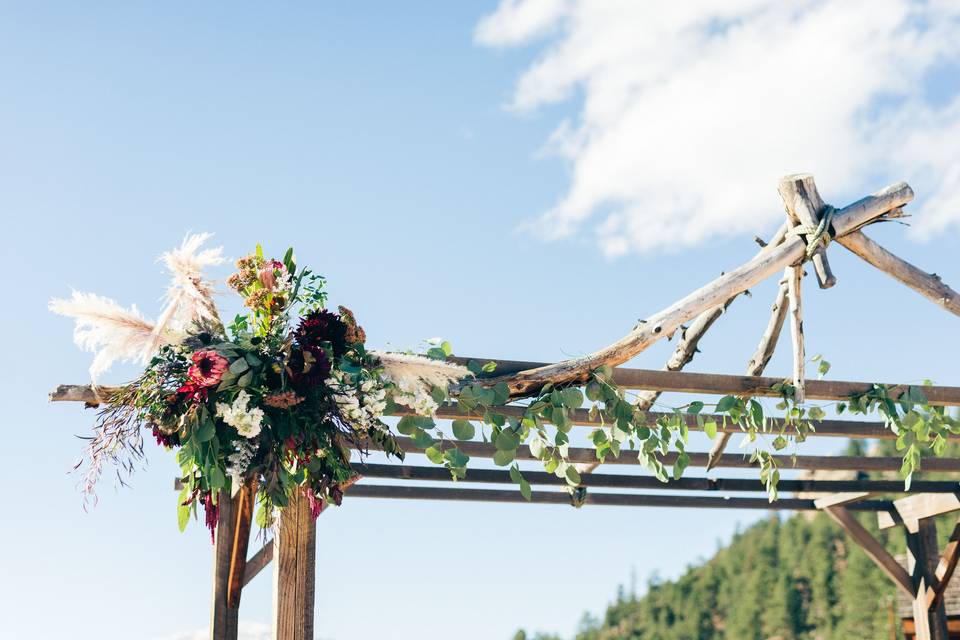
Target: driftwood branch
<point x="926" y="284"/>
<point x="768" y="343"/>
<point x="805" y="207"/>
<point x="790" y="252"/>
<point x="796" y="331"/>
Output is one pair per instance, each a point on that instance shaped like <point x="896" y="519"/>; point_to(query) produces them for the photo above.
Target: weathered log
<point x="929" y="285"/>
<point x="796" y="332"/>
<point x="758" y="362"/>
<point x="791" y="252"/>
<point x="689" y="341"/>
<point x="805" y="207"/>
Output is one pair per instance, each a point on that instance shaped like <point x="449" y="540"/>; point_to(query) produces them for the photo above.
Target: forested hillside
<point x="799" y="578"/>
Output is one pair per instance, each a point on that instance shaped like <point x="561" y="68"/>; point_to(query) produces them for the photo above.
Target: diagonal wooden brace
<point x="805" y="207"/>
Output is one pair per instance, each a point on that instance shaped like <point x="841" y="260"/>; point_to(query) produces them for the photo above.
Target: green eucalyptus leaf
<point x="463" y="430"/>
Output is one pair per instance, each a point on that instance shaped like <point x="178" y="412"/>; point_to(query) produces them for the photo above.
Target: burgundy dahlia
<point x="320" y="327"/>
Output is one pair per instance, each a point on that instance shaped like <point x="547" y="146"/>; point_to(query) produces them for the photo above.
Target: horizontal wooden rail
<point x="723" y="384"/>
<point x="587" y="455"/>
<point x="607" y="499"/>
<point x="610" y="481"/>
<point x="581" y="417"/>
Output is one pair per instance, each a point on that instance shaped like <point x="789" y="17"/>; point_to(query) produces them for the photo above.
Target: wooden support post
<point x="223" y="618"/>
<point x="946" y="566"/>
<point x="805" y="207"/>
<point x="294" y="571"/>
<point x="243" y="519"/>
<point x="922" y="559"/>
<point x="796" y="333"/>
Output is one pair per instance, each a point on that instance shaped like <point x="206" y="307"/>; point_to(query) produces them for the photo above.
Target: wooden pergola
<point x="293" y="547"/>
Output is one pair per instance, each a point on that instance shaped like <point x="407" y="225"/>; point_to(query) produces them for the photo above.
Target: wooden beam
<point x="406" y="492"/>
<point x="841" y="499"/>
<point x="257" y="562"/>
<point x="243" y="520"/>
<point x="623" y="481"/>
<point x="945" y="567"/>
<point x="914" y="508"/>
<point x="665" y="322"/>
<point x="795" y="314"/>
<point x="223" y="617"/>
<point x="294" y="572"/>
<point x="723" y="384"/>
<point x="581" y="417"/>
<point x="874" y="550"/>
<point x="922" y="557"/>
<point x="805" y="207"/>
<point x="673" y="381"/>
<point x="929" y="285"/>
<point x="585" y="455"/>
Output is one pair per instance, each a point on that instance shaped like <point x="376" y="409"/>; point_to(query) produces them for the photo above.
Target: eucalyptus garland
<point x="281" y="397"/>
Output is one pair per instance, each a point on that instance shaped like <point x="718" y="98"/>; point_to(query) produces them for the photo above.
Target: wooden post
<point x="922" y="558"/>
<point x="294" y="571"/>
<point x="796" y="333"/>
<point x="223" y="618"/>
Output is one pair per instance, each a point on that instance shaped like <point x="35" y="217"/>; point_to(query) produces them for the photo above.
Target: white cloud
<point x="691" y="111"/>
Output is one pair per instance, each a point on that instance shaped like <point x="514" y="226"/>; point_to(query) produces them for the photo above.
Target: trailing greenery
<point x="799" y="578"/>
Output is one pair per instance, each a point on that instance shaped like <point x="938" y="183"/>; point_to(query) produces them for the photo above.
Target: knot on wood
<point x="816" y="236"/>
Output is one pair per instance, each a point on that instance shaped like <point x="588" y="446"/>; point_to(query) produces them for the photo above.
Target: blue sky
<point x="406" y="156"/>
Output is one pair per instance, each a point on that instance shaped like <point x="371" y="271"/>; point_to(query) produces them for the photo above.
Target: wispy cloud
<point x="691" y="111"/>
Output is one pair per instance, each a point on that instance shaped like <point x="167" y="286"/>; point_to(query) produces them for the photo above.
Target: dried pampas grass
<point x="104" y="327"/>
<point x="419" y="370"/>
<point x="189" y="297"/>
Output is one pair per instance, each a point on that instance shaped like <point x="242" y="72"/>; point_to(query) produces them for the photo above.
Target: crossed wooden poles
<point x="803" y="237"/>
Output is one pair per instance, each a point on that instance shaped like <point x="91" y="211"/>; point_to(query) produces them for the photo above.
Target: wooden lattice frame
<point x="293" y="548"/>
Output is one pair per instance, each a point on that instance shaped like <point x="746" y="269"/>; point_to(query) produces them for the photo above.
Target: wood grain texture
<point x="405" y="492"/>
<point x="841" y="499"/>
<point x="945" y="567"/>
<point x="795" y="315"/>
<point x="243" y="519"/>
<point x="922" y="556"/>
<point x="294" y="571"/>
<point x="929" y="285"/>
<point x="223" y="617"/>
<point x="876" y="552"/>
<point x="256" y="563"/>
<point x="805" y="207"/>
<point x="914" y="508"/>
<point x="623" y="481"/>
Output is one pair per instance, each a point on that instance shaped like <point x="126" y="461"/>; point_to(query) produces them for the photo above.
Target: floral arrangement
<point x="279" y="398"/>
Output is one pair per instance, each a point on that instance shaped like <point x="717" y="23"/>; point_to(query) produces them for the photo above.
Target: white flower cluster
<point x="284" y="282"/>
<point x="239" y="461"/>
<point x="414" y="394"/>
<point x="362" y="406"/>
<point x="246" y="421"/>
